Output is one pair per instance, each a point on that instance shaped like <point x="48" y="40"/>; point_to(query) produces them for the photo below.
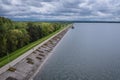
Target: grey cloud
<point x="61" y="9"/>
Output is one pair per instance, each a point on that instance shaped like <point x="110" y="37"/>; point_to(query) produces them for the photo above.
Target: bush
<point x="30" y="61"/>
<point x="12" y="69"/>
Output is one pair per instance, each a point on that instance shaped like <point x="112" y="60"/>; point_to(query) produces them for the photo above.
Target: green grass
<point x="17" y="53"/>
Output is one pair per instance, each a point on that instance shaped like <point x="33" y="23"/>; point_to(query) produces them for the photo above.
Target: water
<point x="90" y="51"/>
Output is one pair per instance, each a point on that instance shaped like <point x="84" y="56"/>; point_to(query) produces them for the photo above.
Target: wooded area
<point x="14" y="35"/>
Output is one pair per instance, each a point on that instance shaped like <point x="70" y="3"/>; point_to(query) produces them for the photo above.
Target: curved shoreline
<point x="27" y="68"/>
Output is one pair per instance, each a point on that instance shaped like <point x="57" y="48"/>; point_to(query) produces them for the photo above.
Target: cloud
<point x="60" y="9"/>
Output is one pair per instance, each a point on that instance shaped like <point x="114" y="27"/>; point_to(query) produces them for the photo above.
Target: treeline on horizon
<point x="14" y="35"/>
<point x="90" y="21"/>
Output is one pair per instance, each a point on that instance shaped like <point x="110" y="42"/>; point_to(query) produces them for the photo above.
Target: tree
<point x="12" y="40"/>
<point x="4" y="27"/>
<point x="23" y="38"/>
<point x="34" y="32"/>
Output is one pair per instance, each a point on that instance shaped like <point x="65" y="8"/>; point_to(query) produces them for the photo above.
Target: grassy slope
<point x="24" y="49"/>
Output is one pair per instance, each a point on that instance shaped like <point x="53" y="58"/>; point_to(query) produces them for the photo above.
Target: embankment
<point x="31" y="64"/>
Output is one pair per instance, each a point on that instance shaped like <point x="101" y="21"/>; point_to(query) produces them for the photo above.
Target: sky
<point x="80" y="10"/>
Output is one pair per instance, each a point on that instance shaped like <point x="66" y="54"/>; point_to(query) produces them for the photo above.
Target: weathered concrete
<point x="24" y="68"/>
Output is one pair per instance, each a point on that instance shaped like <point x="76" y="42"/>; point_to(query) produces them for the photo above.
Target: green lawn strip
<point x="24" y="49"/>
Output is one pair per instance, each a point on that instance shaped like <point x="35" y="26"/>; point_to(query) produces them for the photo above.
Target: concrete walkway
<point x="20" y="60"/>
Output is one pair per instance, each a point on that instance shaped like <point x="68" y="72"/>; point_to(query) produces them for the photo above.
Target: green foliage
<point x="34" y="31"/>
<point x="18" y="52"/>
<point x="4" y="27"/>
<point x="12" y="40"/>
<point x="15" y="35"/>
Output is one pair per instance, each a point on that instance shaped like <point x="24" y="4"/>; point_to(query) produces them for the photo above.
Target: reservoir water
<point x="90" y="51"/>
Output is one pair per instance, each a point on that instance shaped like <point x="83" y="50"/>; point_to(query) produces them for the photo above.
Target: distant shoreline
<point x="51" y="21"/>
